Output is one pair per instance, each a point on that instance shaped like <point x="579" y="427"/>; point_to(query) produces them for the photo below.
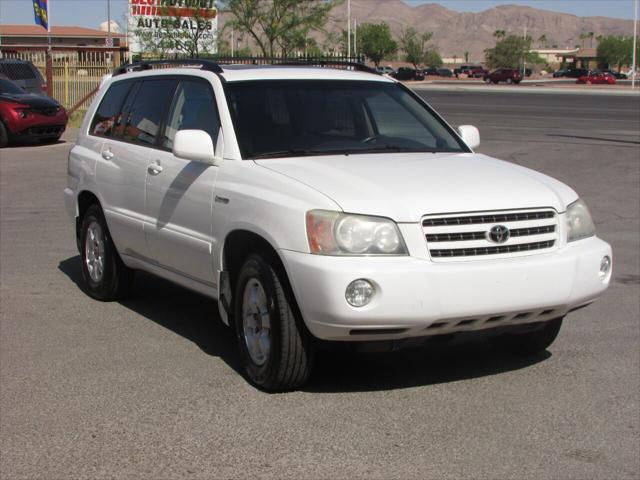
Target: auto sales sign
<point x="173" y="26"/>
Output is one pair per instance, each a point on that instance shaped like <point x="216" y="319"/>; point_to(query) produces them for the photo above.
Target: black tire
<point x="4" y="136"/>
<point x="288" y="363"/>
<point x="530" y="343"/>
<point x="116" y="279"/>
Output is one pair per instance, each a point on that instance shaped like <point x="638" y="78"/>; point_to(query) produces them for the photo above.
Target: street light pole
<point x="635" y="40"/>
<point x="348" y="28"/>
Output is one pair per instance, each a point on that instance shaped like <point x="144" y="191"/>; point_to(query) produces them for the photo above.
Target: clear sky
<point x="90" y="13"/>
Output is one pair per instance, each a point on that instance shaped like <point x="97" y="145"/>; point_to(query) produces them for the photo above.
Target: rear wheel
<point x="4" y="136"/>
<point x="487" y="80"/>
<point x="276" y="349"/>
<point x="105" y="276"/>
<point x="529" y="343"/>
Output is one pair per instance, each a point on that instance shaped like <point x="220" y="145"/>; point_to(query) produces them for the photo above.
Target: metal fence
<point x="75" y="74"/>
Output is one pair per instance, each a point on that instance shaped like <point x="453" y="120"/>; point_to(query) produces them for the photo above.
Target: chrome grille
<point x="459" y="237"/>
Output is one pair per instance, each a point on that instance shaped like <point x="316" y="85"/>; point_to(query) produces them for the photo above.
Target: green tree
<point x="415" y="46"/>
<point x="466" y="57"/>
<point x="375" y="41"/>
<point x="617" y="51"/>
<point x="432" y="58"/>
<point x="278" y="24"/>
<point x="511" y="52"/>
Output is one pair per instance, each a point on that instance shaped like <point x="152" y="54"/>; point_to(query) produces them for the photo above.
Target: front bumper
<point x="416" y="297"/>
<point x="37" y="125"/>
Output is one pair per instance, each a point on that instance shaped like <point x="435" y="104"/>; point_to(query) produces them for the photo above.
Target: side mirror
<point x="194" y="145"/>
<point x="470" y="135"/>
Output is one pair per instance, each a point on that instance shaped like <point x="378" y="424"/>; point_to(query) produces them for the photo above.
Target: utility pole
<point x="232" y="42"/>
<point x="348" y="28"/>
<point x="635" y="40"/>
<point x="355" y="37"/>
<point x="49" y="58"/>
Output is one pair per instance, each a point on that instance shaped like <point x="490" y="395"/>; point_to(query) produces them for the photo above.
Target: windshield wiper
<point x="393" y="148"/>
<point x="286" y="153"/>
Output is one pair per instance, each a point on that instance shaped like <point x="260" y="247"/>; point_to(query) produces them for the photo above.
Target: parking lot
<point x="150" y="387"/>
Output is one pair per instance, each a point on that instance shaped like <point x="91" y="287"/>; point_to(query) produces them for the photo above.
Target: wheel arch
<point x="238" y="245"/>
<point x="85" y="199"/>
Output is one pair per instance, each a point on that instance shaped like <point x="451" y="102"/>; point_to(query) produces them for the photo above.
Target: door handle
<point x="107" y="154"/>
<point x="155" y="168"/>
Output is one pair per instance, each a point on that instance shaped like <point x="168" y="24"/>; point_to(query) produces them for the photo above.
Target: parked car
<point x="406" y="73"/>
<point x="310" y="213"/>
<point x="24" y="74"/>
<point x="616" y="74"/>
<point x="460" y="69"/>
<point x="561" y="72"/>
<point x="445" y="72"/>
<point x="430" y="71"/>
<point x="509" y="75"/>
<point x="597" y="78"/>
<point x="28" y="116"/>
<point x="576" y="72"/>
<point x="386" y="70"/>
<point x="472" y="71"/>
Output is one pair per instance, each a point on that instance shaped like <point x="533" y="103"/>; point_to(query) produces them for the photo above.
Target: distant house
<point x="68" y="41"/>
<point x="584" y="58"/>
<point x="554" y="56"/>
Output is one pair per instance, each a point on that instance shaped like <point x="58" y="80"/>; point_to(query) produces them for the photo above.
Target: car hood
<point x="407" y="186"/>
<point x="35" y="101"/>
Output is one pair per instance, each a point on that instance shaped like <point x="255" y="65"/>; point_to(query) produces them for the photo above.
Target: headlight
<point x="579" y="222"/>
<point x="335" y="233"/>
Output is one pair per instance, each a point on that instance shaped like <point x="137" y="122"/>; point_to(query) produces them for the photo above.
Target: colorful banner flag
<point x="41" y="12"/>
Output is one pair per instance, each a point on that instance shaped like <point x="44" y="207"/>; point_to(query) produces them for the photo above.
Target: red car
<point x="597" y="78"/>
<point x="509" y="75"/>
<point x="28" y="116"/>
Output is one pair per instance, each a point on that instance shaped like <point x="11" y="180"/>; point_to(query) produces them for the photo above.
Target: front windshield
<point x="285" y="118"/>
<point x="9" y="87"/>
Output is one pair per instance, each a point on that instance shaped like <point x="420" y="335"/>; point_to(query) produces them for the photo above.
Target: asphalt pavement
<point x="149" y="387"/>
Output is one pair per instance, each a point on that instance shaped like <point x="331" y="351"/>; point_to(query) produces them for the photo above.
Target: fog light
<point x="605" y="266"/>
<point x="359" y="293"/>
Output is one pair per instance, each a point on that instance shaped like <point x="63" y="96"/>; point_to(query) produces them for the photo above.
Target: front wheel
<point x="487" y="80"/>
<point x="105" y="277"/>
<point x="509" y="81"/>
<point x="530" y="343"/>
<point x="4" y="135"/>
<point x="276" y="349"/>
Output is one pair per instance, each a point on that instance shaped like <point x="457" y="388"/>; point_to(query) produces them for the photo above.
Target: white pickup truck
<point x="322" y="203"/>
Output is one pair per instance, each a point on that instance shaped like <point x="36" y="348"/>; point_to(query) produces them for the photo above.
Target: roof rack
<point x="207" y="65"/>
<point x="328" y="63"/>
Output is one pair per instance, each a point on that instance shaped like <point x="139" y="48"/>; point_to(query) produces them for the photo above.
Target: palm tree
<point x="591" y="34"/>
<point x="542" y="40"/>
<point x="466" y="57"/>
<point x="583" y="37"/>
<point x="499" y="34"/>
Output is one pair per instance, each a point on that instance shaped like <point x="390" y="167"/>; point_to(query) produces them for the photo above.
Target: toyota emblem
<point x="498" y="234"/>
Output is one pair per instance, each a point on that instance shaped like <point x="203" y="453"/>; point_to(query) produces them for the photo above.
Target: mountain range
<point x="455" y="33"/>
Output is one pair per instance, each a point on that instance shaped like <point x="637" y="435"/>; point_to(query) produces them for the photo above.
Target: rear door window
<point x="148" y="110"/>
<point x="107" y="114"/>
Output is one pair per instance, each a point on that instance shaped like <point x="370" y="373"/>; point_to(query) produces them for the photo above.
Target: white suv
<point x="322" y="203"/>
